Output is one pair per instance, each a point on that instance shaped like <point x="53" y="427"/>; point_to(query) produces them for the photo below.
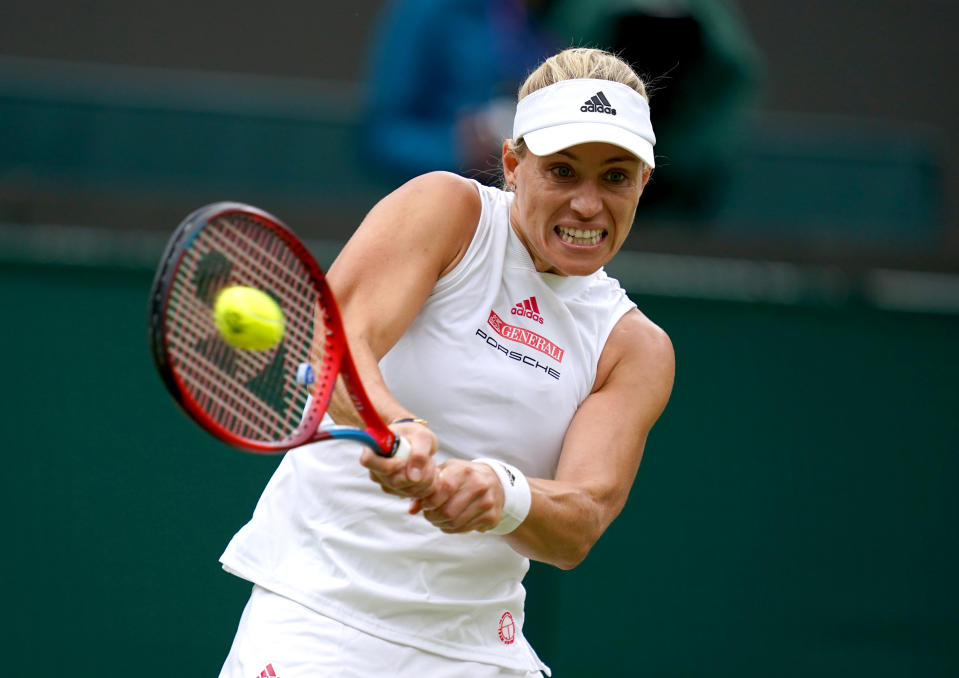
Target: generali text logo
<point x="529" y="338"/>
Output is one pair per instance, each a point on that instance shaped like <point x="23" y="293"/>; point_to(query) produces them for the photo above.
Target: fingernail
<point x="414" y="474"/>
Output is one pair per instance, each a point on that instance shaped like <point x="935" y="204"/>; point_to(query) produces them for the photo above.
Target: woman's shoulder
<point x="432" y="199"/>
<point x="638" y="346"/>
<point x="635" y="330"/>
<point x="452" y="190"/>
<point x="443" y="210"/>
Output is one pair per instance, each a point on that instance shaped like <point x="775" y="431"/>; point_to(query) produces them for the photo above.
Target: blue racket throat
<point x="355" y="434"/>
<point x="401" y="446"/>
<point x="306" y="376"/>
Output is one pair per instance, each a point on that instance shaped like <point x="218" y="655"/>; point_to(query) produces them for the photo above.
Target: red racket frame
<point x="337" y="360"/>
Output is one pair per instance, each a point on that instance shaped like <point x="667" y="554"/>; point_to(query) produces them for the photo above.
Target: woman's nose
<point x="587" y="201"/>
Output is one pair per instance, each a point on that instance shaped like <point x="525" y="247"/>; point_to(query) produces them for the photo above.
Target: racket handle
<point x="401" y="448"/>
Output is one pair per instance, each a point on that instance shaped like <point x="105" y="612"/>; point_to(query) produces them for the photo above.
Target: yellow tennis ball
<point x="248" y="318"/>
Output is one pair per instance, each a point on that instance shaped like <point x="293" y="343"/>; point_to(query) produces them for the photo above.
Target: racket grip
<point x="401" y="448"/>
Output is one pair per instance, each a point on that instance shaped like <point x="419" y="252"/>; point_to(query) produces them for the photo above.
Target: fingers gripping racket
<point x="253" y="399"/>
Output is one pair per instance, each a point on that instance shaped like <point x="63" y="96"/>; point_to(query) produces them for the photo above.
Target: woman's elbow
<point x="569" y="561"/>
<point x="574" y="552"/>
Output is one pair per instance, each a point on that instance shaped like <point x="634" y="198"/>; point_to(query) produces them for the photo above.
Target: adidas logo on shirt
<point x="527" y="309"/>
<point x="598" y="103"/>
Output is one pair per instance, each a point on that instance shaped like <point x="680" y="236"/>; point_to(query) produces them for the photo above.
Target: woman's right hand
<point x="412" y="477"/>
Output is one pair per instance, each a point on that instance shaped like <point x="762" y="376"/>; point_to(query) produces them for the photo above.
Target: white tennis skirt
<point x="279" y="638"/>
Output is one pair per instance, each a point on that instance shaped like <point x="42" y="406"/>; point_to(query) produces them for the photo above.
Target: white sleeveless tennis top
<point x="498" y="360"/>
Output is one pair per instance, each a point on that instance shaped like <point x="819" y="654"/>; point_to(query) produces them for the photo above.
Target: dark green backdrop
<point x="795" y="514"/>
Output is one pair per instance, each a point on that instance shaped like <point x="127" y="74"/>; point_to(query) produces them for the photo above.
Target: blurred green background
<point x="795" y="513"/>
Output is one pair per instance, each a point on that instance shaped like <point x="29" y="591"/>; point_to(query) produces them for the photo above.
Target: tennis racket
<point x="264" y="401"/>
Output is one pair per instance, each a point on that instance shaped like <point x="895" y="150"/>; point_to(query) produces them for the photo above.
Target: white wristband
<point x="517" y="495"/>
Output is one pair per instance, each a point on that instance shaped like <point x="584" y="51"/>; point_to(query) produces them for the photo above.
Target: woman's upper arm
<point x="408" y="241"/>
<point x="604" y="444"/>
<point x="602" y="447"/>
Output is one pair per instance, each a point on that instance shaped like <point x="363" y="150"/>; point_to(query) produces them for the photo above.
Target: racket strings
<point x="253" y="394"/>
<point x="214" y="374"/>
<point x="274" y="268"/>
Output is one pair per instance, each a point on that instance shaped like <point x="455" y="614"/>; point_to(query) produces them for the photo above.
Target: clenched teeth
<point x="587" y="236"/>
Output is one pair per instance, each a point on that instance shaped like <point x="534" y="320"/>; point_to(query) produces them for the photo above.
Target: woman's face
<point x="573" y="209"/>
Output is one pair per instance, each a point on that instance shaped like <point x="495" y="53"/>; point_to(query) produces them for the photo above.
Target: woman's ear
<point x="510" y="161"/>
<point x="644" y="177"/>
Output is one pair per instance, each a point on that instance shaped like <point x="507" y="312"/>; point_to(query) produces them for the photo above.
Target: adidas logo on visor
<point x="598" y="103"/>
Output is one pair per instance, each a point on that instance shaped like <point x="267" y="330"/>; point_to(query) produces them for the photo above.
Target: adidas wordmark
<point x="598" y="103"/>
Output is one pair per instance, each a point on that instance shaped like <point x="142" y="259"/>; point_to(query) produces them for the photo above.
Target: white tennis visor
<point x="571" y="112"/>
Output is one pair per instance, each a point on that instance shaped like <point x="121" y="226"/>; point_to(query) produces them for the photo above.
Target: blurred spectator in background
<point x="442" y="83"/>
<point x="705" y="74"/>
<point x="443" y="75"/>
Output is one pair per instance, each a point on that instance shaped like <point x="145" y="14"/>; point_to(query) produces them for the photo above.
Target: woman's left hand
<point x="465" y="496"/>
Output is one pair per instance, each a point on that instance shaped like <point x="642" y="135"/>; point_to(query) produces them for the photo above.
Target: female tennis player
<point x="483" y="325"/>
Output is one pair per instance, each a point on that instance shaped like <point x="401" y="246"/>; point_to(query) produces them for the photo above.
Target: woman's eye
<point x="616" y="176"/>
<point x="563" y="171"/>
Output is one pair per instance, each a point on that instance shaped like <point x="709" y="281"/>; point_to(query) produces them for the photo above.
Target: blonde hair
<point x="574" y="63"/>
<point x="582" y="62"/>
